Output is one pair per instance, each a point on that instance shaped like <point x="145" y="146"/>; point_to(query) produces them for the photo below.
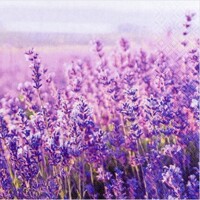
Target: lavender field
<point x="113" y="118"/>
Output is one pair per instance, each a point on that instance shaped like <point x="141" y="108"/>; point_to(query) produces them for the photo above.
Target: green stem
<point x="91" y="174"/>
<point x="69" y="187"/>
<point x="144" y="182"/>
<point x="79" y="186"/>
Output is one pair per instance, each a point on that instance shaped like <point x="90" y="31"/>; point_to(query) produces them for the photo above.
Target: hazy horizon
<point x="93" y="17"/>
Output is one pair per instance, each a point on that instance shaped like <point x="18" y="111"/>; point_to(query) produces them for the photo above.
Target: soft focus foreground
<point x="120" y="123"/>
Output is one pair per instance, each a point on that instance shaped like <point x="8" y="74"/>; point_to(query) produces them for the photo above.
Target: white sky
<point x="84" y="16"/>
<point x="118" y="5"/>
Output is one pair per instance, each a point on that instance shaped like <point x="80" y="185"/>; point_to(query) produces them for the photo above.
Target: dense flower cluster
<point x="125" y="126"/>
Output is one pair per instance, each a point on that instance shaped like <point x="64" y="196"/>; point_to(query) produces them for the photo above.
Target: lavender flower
<point x="124" y="44"/>
<point x="172" y="177"/>
<point x="3" y="128"/>
<point x="193" y="187"/>
<point x="36" y="68"/>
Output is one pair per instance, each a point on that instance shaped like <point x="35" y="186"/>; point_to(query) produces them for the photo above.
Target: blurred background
<point x="58" y="22"/>
<point x="62" y="30"/>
